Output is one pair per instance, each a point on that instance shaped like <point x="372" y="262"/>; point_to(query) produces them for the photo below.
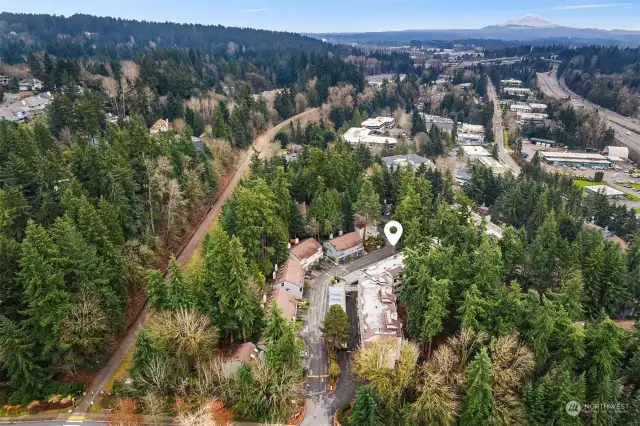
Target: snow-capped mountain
<point x="531" y="21"/>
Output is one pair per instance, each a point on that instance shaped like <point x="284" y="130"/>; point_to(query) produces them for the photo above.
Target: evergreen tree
<point x="477" y="407"/>
<point x="366" y="409"/>
<point x="335" y="327"/>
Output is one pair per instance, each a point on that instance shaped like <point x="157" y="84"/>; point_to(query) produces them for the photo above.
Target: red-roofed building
<point x="307" y="252"/>
<point x="160" y="126"/>
<point x="290" y="277"/>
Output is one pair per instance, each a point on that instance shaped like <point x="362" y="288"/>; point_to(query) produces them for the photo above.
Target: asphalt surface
<point x="498" y="131"/>
<point x="320" y="404"/>
<point x="548" y="83"/>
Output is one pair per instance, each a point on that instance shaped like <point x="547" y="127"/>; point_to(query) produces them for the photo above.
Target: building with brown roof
<point x="307" y="252"/>
<point x="290" y="277"/>
<point x="160" y="126"/>
<point x="283" y="300"/>
<point x="344" y="247"/>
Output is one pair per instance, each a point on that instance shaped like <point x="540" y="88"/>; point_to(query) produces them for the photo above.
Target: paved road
<point x="321" y="405"/>
<point x="548" y="83"/>
<point x="498" y="131"/>
<point x="262" y="144"/>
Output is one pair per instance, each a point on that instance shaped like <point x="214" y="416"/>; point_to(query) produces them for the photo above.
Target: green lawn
<point x="582" y="183"/>
<point x="506" y="140"/>
<point x="638" y="210"/>
<point x="632" y="197"/>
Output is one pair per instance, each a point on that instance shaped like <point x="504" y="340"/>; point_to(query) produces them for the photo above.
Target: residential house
<point x="344" y="247"/>
<point x="411" y="160"/>
<point x="307" y="252"/>
<point x="30" y="84"/>
<point x="290" y="277"/>
<point x="283" y="300"/>
<point x="160" y="126"/>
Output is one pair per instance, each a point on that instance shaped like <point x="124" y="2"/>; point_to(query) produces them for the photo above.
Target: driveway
<point x="320" y="405"/>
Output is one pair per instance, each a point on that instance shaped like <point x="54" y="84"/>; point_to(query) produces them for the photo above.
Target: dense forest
<point x="506" y="331"/>
<point x="84" y="35"/>
<point x="605" y="75"/>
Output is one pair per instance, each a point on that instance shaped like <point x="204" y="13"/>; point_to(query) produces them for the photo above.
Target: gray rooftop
<point x="412" y="160"/>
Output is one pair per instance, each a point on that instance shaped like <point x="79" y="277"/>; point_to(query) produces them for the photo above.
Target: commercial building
<point x="307" y="252"/>
<point x="379" y="123"/>
<point x="476" y="151"/>
<point x="519" y="107"/>
<point x="465" y="86"/>
<point x="575" y="159"/>
<point x="496" y="167"/>
<point x="290" y="278"/>
<point x="472" y="128"/>
<point x="605" y="190"/>
<point x="520" y="92"/>
<point x="537" y="107"/>
<point x="344" y="247"/>
<point x="360" y="135"/>
<point x="545" y="143"/>
<point x="531" y="117"/>
<point x="442" y="123"/>
<point x="616" y="153"/>
<point x="470" y="139"/>
<point x="411" y="160"/>
<point x="511" y="82"/>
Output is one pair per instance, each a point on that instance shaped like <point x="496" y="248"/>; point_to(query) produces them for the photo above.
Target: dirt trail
<point x="262" y="144"/>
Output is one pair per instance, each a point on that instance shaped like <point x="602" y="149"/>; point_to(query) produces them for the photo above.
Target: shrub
<point x="34" y="407"/>
<point x="11" y="409"/>
<point x="334" y="369"/>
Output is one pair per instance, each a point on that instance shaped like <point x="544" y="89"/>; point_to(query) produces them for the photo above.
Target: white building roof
<point x="616" y="151"/>
<point x="338" y="296"/>
<point x="532" y="116"/>
<point x="495" y="165"/>
<point x="378" y="122"/>
<point x="476" y="151"/>
<point x="356" y="135"/>
<point x="412" y="160"/>
<point x="573" y="155"/>
<point x="471" y="128"/>
<point x="538" y="106"/>
<point x="604" y="189"/>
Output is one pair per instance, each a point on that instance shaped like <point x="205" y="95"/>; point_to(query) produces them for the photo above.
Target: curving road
<point x="626" y="129"/>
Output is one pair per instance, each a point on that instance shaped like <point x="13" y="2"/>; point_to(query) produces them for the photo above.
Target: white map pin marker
<point x="392" y="236"/>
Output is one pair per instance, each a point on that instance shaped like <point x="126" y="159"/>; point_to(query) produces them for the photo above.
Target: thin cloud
<point x="254" y="10"/>
<point x="591" y="6"/>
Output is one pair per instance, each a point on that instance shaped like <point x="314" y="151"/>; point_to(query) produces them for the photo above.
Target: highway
<point x="626" y="129"/>
<point x="498" y="131"/>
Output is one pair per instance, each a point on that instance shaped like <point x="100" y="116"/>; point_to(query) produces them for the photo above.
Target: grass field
<point x="582" y="183"/>
<point x="506" y="140"/>
<point x="632" y="197"/>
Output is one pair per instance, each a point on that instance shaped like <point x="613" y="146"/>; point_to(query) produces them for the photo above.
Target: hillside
<point x="79" y="35"/>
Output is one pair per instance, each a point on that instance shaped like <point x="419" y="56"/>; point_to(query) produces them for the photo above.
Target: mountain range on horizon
<point x="528" y="28"/>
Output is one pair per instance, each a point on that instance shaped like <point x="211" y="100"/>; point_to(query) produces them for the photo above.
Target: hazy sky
<point x="347" y="15"/>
